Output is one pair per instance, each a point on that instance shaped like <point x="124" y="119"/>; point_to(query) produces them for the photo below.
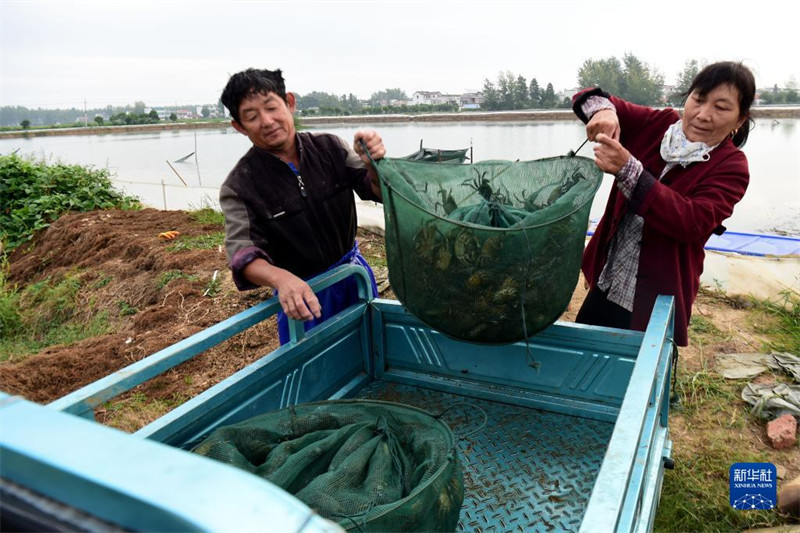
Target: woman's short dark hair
<point x="249" y="82"/>
<point x="736" y="75"/>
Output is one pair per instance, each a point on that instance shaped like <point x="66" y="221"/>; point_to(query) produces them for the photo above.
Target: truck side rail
<point x="137" y="484"/>
<point x="83" y="401"/>
<point x="622" y="483"/>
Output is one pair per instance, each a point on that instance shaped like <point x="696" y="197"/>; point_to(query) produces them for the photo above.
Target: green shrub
<point x="34" y="194"/>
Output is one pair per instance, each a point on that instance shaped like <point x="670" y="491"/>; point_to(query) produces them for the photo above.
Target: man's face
<point x="267" y="121"/>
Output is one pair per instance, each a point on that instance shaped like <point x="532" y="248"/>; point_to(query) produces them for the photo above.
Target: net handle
<point x="573" y="153"/>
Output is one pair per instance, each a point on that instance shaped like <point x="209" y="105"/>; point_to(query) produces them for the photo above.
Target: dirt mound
<point x="155" y="293"/>
<point x="119" y="242"/>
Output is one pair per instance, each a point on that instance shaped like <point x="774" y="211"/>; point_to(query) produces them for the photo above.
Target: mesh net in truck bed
<point x="488" y="252"/>
<point x="368" y="465"/>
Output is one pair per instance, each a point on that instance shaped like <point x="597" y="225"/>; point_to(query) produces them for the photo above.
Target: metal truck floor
<point x="524" y="469"/>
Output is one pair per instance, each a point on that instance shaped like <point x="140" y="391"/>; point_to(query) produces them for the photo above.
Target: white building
<point x="433" y="98"/>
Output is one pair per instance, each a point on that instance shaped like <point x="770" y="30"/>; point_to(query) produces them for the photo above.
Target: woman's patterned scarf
<point x="676" y="148"/>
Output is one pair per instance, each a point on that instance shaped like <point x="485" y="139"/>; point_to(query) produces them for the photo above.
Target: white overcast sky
<point x="115" y="52"/>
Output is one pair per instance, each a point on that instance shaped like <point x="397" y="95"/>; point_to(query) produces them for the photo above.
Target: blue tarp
<point x="746" y="243"/>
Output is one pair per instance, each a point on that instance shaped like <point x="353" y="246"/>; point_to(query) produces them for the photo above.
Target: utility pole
<point x="85" y="116"/>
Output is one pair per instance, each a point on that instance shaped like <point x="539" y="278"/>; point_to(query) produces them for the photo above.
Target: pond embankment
<point x="529" y="115"/>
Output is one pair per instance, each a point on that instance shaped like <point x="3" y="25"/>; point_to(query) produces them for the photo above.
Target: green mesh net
<point x="487" y="252"/>
<point x="368" y="465"/>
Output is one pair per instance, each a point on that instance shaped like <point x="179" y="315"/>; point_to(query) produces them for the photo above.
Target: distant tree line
<point x="15" y="115"/>
<point x="74" y="117"/>
<point x="129" y="114"/>
<point x="776" y="96"/>
<point x="128" y="119"/>
<point x="629" y="78"/>
<point x="513" y="92"/>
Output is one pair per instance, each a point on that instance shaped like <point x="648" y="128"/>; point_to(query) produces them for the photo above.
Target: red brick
<point x="782" y="432"/>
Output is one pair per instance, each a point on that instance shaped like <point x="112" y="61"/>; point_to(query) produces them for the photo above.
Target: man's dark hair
<point x="249" y="82"/>
<point x="737" y="76"/>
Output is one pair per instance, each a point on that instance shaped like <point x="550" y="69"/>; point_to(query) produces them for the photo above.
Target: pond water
<point x="145" y="164"/>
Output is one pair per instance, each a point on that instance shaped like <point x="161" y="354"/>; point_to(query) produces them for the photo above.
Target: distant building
<point x="213" y="110"/>
<point x="433" y="98"/>
<point x="163" y="113"/>
<point x="470" y="101"/>
<point x="566" y="93"/>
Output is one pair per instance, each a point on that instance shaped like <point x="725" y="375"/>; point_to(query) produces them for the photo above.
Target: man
<point x="288" y="203"/>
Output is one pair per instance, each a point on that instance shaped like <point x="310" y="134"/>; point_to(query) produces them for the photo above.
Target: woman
<point x="676" y="181"/>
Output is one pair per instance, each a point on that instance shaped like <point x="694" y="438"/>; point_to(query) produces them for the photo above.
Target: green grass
<point x="170" y="275"/>
<point x="44" y="314"/>
<point x="208" y="216"/>
<point x="126" y="309"/>
<point x="701" y="325"/>
<point x="213" y="287"/>
<point x="695" y="495"/>
<point x="132" y="411"/>
<point x="376" y="260"/>
<point x="784" y="333"/>
<point x="717" y="430"/>
<point x="102" y="280"/>
<point x="199" y="242"/>
<point x="705" y="390"/>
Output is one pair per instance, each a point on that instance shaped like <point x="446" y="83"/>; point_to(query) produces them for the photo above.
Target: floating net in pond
<point x="488" y="252"/>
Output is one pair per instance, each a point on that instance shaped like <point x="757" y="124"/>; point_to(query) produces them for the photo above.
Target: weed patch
<point x="784" y="331"/>
<point x="126" y="309"/>
<point x="208" y="216"/>
<point x="131" y="412"/>
<point x="170" y="275"/>
<point x="695" y="494"/>
<point x="199" y="242"/>
<point x="44" y="314"/>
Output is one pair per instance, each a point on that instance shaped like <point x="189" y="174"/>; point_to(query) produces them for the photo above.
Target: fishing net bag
<point x="488" y="252"/>
<point x="367" y="465"/>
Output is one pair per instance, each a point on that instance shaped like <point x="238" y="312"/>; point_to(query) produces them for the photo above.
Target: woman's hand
<point x="609" y="155"/>
<point x="604" y="121"/>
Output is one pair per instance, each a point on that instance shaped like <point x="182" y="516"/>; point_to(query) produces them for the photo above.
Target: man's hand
<point x="604" y="121"/>
<point x="374" y="145"/>
<point x="609" y="155"/>
<point x="297" y="299"/>
<point x="376" y="151"/>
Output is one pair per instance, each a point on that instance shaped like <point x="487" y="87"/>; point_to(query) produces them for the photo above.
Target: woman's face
<point x="712" y="117"/>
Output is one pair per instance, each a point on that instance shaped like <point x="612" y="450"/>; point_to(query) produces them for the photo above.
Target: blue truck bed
<point x="565" y="432"/>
